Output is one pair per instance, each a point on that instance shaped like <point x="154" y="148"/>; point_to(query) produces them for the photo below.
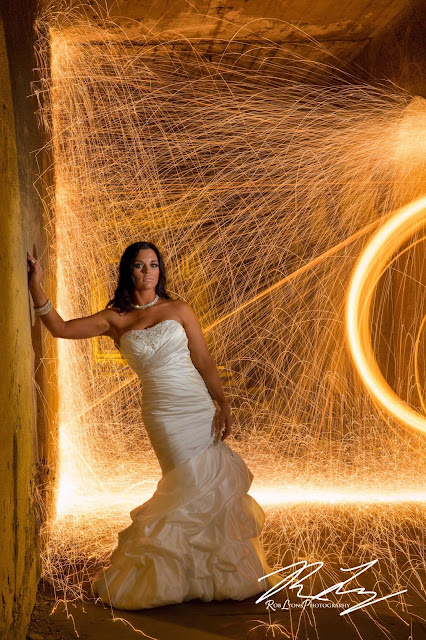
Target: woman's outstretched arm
<point x="95" y="325"/>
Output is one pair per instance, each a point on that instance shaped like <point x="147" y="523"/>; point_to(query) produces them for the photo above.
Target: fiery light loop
<point x="362" y="286"/>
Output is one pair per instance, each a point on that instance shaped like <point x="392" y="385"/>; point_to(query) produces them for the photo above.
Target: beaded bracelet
<point x="40" y="311"/>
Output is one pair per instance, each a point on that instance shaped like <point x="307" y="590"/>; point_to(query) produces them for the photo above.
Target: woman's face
<point x="146" y="269"/>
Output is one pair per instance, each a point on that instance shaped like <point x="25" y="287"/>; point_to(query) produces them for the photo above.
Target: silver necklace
<point x="144" y="306"/>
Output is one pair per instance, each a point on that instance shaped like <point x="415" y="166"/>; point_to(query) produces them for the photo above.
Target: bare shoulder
<point x="185" y="311"/>
<point x="181" y="306"/>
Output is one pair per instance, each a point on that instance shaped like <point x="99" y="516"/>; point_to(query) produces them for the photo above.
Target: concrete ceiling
<point x="343" y="28"/>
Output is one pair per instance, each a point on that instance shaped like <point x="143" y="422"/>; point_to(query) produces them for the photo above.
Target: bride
<point x="198" y="535"/>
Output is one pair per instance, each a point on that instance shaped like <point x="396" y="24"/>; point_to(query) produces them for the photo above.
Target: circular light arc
<point x="378" y="252"/>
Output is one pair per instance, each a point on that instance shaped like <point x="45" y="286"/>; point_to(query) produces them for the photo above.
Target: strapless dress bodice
<point x="162" y="344"/>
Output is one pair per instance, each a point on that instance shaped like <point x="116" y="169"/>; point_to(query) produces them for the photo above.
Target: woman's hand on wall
<point x="35" y="272"/>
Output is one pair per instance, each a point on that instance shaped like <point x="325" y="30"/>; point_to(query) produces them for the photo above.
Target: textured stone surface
<point x="344" y="28"/>
<point x="24" y="395"/>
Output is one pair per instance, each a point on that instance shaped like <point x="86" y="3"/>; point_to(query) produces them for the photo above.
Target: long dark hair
<point x="126" y="281"/>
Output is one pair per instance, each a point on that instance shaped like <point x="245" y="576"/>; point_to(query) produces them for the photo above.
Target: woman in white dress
<point x="198" y="535"/>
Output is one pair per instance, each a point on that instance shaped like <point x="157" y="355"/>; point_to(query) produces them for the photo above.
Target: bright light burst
<point x="260" y="176"/>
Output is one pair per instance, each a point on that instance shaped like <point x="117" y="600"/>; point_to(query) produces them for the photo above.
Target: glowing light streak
<point x="403" y="224"/>
<point x="81" y="503"/>
<point x="327" y="495"/>
<point x="416" y="364"/>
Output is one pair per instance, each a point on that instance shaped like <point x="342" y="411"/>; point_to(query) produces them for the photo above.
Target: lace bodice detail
<point x="163" y="345"/>
<point x="150" y="336"/>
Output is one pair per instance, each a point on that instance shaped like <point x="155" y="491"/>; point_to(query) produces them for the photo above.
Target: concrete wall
<point x="27" y="401"/>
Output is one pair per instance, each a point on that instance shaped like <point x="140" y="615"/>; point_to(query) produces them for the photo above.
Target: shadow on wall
<point x="399" y="52"/>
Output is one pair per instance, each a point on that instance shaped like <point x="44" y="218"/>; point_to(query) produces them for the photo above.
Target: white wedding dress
<point x="197" y="536"/>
